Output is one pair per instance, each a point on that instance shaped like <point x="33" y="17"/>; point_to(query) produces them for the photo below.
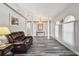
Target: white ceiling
<point x="45" y="9"/>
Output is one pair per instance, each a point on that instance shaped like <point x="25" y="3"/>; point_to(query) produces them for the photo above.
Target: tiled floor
<point x="47" y="47"/>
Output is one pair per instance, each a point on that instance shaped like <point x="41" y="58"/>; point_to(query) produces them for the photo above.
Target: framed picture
<point x="40" y="27"/>
<point x="14" y="21"/>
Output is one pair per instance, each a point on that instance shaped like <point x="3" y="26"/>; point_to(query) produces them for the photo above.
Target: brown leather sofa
<point x="20" y="42"/>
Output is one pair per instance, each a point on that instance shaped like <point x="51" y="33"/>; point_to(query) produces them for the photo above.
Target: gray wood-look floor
<point x="47" y="47"/>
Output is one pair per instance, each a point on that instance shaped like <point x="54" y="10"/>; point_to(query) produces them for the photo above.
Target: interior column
<point x="48" y="30"/>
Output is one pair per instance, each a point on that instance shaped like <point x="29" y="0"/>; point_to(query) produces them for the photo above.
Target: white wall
<point x="4" y="15"/>
<point x="5" y="19"/>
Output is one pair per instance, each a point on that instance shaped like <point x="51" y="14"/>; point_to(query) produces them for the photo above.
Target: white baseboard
<point x="68" y="47"/>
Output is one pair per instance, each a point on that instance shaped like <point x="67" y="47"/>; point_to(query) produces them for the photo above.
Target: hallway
<point x="47" y="47"/>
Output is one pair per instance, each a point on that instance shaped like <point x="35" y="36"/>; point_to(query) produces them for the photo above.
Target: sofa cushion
<point x="4" y="39"/>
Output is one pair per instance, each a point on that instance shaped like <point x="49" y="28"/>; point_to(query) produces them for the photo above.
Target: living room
<point x="39" y="29"/>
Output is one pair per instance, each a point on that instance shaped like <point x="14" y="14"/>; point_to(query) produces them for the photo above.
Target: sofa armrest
<point x="18" y="43"/>
<point x="23" y="42"/>
<point x="27" y="40"/>
<point x="29" y="37"/>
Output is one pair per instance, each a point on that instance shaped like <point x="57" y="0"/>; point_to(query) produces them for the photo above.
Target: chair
<point x="20" y="42"/>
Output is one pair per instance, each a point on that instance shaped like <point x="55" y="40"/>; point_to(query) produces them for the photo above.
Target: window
<point x="68" y="33"/>
<point x="57" y="29"/>
<point x="29" y="29"/>
<point x="69" y="18"/>
<point x="57" y="22"/>
<point x="68" y="30"/>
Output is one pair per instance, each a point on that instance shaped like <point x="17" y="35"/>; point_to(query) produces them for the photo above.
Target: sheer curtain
<point x="68" y="33"/>
<point x="68" y="30"/>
